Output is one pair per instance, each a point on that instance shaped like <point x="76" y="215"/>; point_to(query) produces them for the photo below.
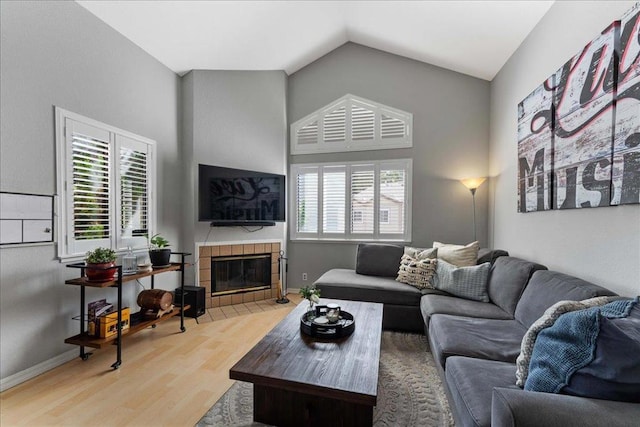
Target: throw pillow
<point x="546" y="320"/>
<point x="377" y="259"/>
<point x="465" y="282"/>
<point x="590" y="353"/>
<point x="417" y="272"/>
<point x="458" y="255"/>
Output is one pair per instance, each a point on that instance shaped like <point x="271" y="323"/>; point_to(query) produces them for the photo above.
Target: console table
<point x="83" y="339"/>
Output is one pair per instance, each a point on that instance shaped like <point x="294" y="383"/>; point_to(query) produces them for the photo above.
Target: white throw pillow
<point x="458" y="255"/>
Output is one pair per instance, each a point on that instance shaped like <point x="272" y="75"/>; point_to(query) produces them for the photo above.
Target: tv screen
<point x="237" y="195"/>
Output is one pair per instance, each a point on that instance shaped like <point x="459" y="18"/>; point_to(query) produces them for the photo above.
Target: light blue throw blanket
<point x="569" y="345"/>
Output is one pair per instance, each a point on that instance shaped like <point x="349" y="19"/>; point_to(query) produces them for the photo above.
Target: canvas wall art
<point x="579" y="132"/>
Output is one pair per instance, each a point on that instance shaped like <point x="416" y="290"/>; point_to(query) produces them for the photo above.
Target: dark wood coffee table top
<point x="344" y="369"/>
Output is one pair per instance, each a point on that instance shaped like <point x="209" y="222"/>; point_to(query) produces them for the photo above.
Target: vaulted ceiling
<point x="470" y="37"/>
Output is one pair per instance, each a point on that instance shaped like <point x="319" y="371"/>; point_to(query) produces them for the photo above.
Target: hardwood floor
<point x="166" y="378"/>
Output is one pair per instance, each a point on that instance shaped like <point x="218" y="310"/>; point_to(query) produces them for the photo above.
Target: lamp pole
<point x="473" y="198"/>
<point x="472" y="184"/>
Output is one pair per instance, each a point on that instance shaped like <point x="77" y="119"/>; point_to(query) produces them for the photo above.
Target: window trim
<point x="64" y="171"/>
<point x="348" y="236"/>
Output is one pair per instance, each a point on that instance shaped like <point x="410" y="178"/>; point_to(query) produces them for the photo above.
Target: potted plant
<point x="101" y="263"/>
<point x="159" y="253"/>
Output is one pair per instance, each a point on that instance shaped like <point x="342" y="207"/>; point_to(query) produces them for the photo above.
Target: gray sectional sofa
<point x="475" y="344"/>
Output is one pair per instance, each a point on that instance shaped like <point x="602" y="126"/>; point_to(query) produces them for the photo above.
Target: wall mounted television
<point x="236" y="197"/>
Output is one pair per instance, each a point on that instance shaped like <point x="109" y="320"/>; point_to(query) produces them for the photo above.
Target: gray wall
<point x="58" y="54"/>
<point x="601" y="245"/>
<point x="234" y="119"/>
<point x="450" y="142"/>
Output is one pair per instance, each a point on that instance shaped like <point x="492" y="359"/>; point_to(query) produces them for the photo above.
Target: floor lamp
<point x="472" y="184"/>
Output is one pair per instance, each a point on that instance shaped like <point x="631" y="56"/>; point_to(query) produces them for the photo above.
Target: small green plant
<point x="158" y="242"/>
<point x="101" y="256"/>
<point x="312" y="294"/>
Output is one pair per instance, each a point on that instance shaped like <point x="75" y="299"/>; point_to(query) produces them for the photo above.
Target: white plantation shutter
<point x="334" y="125"/>
<point x="391" y="127"/>
<point x="333" y="199"/>
<point x="352" y="124"/>
<point x="105" y="183"/>
<point x="392" y="199"/>
<point x="362" y="198"/>
<point x="352" y="201"/>
<point x="134" y="183"/>
<point x="89" y="184"/>
<point x="308" y="134"/>
<point x="307" y="200"/>
<point x="362" y="123"/>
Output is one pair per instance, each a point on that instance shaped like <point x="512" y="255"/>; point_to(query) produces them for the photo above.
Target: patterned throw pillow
<point x="458" y="255"/>
<point x="464" y="282"/>
<point x="545" y="321"/>
<point x="418" y="271"/>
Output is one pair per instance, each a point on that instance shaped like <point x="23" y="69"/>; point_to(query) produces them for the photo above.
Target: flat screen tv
<point x="240" y="197"/>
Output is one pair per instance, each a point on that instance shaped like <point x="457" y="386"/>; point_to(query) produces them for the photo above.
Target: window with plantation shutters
<point x="104" y="186"/>
<point x="352" y="124"/>
<point x="363" y="201"/>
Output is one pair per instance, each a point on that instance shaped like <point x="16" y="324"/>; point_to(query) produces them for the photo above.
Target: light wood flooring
<point x="167" y="378"/>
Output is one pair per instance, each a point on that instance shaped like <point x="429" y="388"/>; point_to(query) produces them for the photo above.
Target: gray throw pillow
<point x="377" y="259"/>
<point x="464" y="282"/>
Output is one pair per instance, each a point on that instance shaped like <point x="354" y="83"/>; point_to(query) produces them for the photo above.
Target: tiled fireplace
<point x="220" y="272"/>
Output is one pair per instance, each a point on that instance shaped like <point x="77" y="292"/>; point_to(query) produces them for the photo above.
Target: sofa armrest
<point x="515" y="407"/>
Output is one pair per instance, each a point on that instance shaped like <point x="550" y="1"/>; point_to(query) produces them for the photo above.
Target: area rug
<point x="409" y="390"/>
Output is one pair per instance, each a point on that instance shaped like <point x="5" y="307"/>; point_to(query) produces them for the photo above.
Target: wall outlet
<point x="304" y="277"/>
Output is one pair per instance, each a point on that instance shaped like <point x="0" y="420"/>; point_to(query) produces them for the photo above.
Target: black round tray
<point x="342" y="328"/>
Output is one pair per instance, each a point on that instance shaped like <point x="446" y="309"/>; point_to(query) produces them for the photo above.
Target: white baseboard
<point x="34" y="371"/>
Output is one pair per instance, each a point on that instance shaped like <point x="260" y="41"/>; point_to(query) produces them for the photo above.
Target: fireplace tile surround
<point x="205" y="252"/>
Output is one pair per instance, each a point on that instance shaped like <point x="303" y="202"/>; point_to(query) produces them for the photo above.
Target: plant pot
<point x="101" y="271"/>
<point x="160" y="257"/>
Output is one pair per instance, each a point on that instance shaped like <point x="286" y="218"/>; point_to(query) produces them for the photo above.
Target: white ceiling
<point x="471" y="37"/>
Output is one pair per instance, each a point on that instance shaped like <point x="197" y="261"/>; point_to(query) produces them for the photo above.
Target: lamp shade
<point x="473" y="183"/>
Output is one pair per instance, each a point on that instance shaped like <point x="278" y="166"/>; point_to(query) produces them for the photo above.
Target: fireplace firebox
<point x="241" y="273"/>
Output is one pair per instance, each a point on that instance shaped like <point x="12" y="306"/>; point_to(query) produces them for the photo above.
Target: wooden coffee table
<point x="303" y="381"/>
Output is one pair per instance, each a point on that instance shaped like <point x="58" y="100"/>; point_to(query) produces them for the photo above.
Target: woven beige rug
<point x="409" y="390"/>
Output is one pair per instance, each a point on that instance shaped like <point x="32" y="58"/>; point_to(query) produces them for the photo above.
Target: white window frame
<point x="376" y="235"/>
<point x="68" y="250"/>
<point x="348" y="144"/>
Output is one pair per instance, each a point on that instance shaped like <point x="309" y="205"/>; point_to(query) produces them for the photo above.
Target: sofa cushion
<point x="445" y="304"/>
<point x="464" y="282"/>
<point x="507" y="280"/>
<point x="490" y="255"/>
<point x="471" y="382"/>
<point x="546" y="288"/>
<point x="347" y="284"/>
<point x="491" y="339"/>
<point x="590" y="353"/>
<point x="458" y="255"/>
<point x="376" y="259"/>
